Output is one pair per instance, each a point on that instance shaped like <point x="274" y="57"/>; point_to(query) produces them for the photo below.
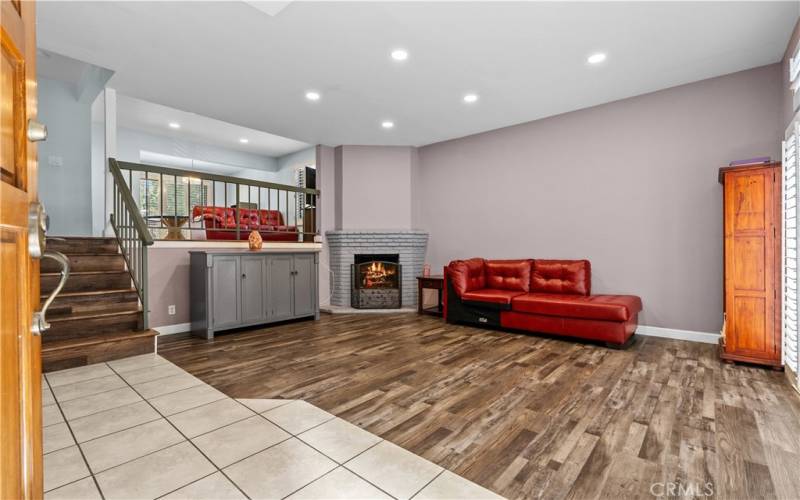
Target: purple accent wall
<point x="630" y="185"/>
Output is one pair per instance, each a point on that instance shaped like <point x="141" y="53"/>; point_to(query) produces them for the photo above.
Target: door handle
<point x="40" y="324"/>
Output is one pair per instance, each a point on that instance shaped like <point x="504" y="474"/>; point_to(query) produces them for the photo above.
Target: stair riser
<point x="86" y="263"/>
<point x="88" y="283"/>
<point x="69" y="358"/>
<point x="83" y="245"/>
<point x="128" y="301"/>
<point x="61" y="330"/>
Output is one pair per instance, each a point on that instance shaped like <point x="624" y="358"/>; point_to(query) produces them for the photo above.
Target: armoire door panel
<point x="749" y="199"/>
<point x="749" y="258"/>
<point x="749" y="324"/>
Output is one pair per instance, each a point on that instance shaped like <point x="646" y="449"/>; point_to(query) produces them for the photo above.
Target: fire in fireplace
<point x="375" y="281"/>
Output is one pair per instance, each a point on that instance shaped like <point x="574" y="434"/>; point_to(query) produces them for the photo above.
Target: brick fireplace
<point x="409" y="246"/>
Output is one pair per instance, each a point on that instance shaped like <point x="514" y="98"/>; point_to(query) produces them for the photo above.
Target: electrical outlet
<point x="171" y="310"/>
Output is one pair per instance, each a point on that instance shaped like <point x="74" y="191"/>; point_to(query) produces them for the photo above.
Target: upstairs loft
<point x="183" y="205"/>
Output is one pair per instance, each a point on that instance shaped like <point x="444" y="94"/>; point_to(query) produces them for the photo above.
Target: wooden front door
<point x="20" y="363"/>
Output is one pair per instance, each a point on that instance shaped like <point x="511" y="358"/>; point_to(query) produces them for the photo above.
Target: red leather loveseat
<point x="220" y="223"/>
<point x="548" y="296"/>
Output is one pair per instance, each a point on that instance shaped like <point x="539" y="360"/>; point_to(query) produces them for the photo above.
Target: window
<point x="791" y="192"/>
<point x="178" y="199"/>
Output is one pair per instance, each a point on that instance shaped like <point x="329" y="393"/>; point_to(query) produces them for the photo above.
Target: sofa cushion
<point x="491" y="295"/>
<point x="466" y="275"/>
<point x="601" y="307"/>
<point x="561" y="276"/>
<point x="508" y="274"/>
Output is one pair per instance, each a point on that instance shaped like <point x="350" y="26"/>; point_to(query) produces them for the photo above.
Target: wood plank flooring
<point x="528" y="416"/>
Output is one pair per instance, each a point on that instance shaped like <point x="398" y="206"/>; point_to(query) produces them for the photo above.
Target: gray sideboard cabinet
<point x="236" y="289"/>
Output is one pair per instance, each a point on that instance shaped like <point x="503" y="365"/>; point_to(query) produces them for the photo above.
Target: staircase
<point x="97" y="316"/>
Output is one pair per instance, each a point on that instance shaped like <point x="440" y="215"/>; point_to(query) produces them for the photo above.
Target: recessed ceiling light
<point x="244" y="140"/>
<point x="470" y="98"/>
<point x="387" y="124"/>
<point x="174" y="125"/>
<point x="399" y="55"/>
<point x="312" y="96"/>
<point x="596" y="58"/>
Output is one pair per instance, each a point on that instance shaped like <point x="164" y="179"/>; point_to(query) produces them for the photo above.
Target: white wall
<point x="65" y="190"/>
<point x="131" y="142"/>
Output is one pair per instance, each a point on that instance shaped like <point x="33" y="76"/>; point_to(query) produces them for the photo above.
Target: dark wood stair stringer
<point x="97" y="316"/>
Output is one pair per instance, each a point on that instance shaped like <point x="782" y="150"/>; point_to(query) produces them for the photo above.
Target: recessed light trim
<point x="596" y="58"/>
<point x="387" y="124"/>
<point x="399" y="54"/>
<point x="470" y="98"/>
<point x="174" y="125"/>
<point x="313" y="95"/>
<point x="244" y="140"/>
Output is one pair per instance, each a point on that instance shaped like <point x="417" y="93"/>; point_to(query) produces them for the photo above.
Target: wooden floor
<point x="526" y="416"/>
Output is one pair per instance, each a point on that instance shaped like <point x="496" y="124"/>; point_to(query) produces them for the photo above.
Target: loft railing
<point x="181" y="204"/>
<point x="132" y="234"/>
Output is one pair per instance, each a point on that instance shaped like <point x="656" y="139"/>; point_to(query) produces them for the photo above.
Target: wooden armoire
<point x="752" y="229"/>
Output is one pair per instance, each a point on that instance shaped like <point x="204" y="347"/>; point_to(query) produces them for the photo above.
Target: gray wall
<point x="630" y="185"/>
<point x="65" y="190"/>
<point x="373" y="187"/>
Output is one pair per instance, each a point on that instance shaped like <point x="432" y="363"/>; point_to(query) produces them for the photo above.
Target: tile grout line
<point x="428" y="483"/>
<point x="189" y="440"/>
<point x="80" y="450"/>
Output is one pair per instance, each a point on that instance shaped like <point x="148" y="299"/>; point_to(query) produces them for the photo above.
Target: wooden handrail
<point x="130" y="205"/>
<point x="140" y="167"/>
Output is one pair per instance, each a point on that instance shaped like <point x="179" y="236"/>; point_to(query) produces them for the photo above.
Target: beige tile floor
<point x="142" y="428"/>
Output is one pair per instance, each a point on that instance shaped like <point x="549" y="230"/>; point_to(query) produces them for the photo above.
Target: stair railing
<point x="132" y="234"/>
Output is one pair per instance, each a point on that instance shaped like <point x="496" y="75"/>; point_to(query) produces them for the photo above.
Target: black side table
<point x="434" y="283"/>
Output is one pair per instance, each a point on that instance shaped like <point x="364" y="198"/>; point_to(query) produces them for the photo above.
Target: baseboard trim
<point x="672" y="333"/>
<point x="647" y="331"/>
<point x="173" y="329"/>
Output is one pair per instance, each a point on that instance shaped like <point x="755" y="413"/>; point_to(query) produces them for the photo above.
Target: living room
<point x="549" y="251"/>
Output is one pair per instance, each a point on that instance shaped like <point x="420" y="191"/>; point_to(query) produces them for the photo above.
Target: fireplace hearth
<point x="376" y="281"/>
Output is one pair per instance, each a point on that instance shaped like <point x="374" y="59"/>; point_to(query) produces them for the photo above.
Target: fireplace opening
<point x="376" y="281"/>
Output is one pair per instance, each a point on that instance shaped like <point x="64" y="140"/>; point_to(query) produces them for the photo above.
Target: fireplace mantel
<point x="344" y="244"/>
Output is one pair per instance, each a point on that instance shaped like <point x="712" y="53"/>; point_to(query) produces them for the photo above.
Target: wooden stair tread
<point x="102" y="338"/>
<point x="87" y="273"/>
<point x="90" y="254"/>
<point x="94" y="315"/>
<point x="93" y="292"/>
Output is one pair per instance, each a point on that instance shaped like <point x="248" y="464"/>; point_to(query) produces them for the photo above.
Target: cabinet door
<point x="279" y="287"/>
<point x="750" y="261"/>
<point x="226" y="291"/>
<point x="253" y="293"/>
<point x="304" y="285"/>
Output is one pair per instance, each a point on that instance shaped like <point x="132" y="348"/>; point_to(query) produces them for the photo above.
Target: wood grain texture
<point x="527" y="416"/>
<point x="752" y="211"/>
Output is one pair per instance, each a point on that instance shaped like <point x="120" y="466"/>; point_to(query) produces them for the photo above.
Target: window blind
<point x="791" y="188"/>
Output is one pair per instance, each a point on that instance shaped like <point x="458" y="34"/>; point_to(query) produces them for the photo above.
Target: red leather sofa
<point x="547" y="296"/>
<point x="220" y="223"/>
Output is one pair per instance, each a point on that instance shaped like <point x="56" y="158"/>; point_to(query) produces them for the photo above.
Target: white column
<point x="111" y="152"/>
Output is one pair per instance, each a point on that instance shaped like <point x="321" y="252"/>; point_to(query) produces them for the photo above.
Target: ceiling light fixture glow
<point x="312" y="96"/>
<point x="244" y="140"/>
<point x="387" y="124"/>
<point x="470" y="98"/>
<point x="399" y="55"/>
<point x="596" y="58"/>
<point x="175" y="125"/>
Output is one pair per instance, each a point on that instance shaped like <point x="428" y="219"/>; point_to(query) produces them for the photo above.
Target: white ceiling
<point x="233" y="62"/>
<point x="154" y="118"/>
